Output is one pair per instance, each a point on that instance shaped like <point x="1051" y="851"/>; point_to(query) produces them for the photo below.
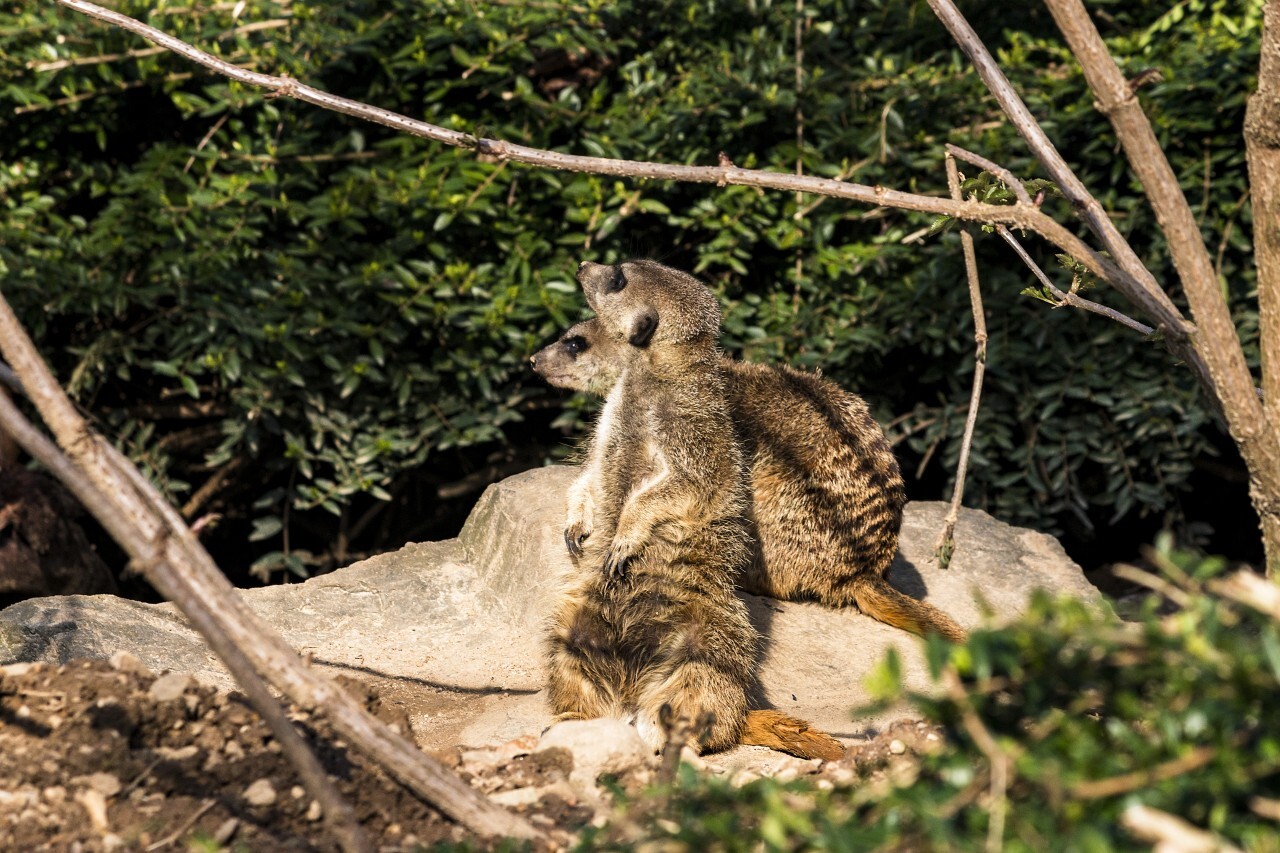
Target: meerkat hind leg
<point x="695" y="692"/>
<point x="583" y="671"/>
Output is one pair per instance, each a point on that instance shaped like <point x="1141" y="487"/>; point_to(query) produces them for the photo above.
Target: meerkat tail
<point x="876" y="598"/>
<point x="776" y="730"/>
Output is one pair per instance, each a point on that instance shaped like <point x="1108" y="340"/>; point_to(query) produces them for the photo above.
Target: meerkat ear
<point x="643" y="325"/>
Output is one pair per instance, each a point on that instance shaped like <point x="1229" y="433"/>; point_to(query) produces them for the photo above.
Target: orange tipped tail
<point x="776" y="730"/>
<point x="876" y="598"/>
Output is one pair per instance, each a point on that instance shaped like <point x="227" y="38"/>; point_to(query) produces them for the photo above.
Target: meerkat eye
<point x="617" y="282"/>
<point x="576" y="344"/>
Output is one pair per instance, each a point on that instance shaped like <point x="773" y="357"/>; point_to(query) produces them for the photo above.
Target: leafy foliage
<point x="1092" y="714"/>
<point x="343" y="314"/>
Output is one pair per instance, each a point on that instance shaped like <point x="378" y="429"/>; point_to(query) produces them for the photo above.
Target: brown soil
<point x="100" y="757"/>
<point x="90" y="759"/>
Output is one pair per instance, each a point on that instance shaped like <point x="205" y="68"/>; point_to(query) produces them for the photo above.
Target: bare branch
<point x="183" y="572"/>
<point x="1017" y="215"/>
<point x="1000" y="762"/>
<point x="1072" y="298"/>
<point x="1137" y="282"/>
<point x="1250" y="590"/>
<point x="946" y="540"/>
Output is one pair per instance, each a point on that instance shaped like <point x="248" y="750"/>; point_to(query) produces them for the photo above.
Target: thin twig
<point x="998" y="760"/>
<point x="1070" y="298"/>
<point x="217" y="125"/>
<point x="1171" y="834"/>
<point x="1244" y="587"/>
<point x="946" y="545"/>
<point x="999" y="171"/>
<point x="1096" y="789"/>
<point x="211" y="486"/>
<point x="186" y="825"/>
<point x="1155" y="583"/>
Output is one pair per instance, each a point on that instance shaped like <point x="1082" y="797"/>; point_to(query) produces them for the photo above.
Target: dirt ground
<point x="95" y="757"/>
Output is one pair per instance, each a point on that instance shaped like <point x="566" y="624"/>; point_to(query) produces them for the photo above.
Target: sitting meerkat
<point x="650" y="626"/>
<point x="827" y="495"/>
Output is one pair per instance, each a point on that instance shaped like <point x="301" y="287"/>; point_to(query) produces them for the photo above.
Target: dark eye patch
<point x="616" y="282"/>
<point x="575" y="344"/>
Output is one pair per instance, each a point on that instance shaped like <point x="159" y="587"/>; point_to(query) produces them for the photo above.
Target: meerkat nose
<point x="533" y="361"/>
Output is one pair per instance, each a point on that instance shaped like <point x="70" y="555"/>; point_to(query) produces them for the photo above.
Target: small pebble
<point x="226" y="831"/>
<point x="314" y="811"/>
<point x="105" y="784"/>
<point x="897" y="747"/>
<point x="170" y="687"/>
<point x="124" y="662"/>
<point x="297" y="792"/>
<point x="260" y="793"/>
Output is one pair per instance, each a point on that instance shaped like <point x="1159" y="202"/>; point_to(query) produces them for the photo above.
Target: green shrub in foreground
<point x="1175" y="712"/>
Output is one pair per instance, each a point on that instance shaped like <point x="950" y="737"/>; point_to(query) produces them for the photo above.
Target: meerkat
<point x="650" y="627"/>
<point x="826" y="492"/>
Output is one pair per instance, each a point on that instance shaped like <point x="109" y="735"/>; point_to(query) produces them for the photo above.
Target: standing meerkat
<point x="827" y="495"/>
<point x="650" y="623"/>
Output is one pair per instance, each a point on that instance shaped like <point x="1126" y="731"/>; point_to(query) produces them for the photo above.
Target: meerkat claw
<point x="615" y="566"/>
<point x="573" y="539"/>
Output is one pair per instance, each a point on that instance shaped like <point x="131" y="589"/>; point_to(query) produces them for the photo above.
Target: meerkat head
<point x="643" y="302"/>
<point x="583" y="359"/>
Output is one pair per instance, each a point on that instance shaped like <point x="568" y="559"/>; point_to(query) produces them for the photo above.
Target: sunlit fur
<point x="650" y="617"/>
<point x="826" y="492"/>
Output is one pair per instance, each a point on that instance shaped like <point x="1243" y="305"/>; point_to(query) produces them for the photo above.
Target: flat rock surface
<point x="450" y="631"/>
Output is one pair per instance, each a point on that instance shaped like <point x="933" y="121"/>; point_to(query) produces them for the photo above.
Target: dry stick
<point x="1216" y="339"/>
<point x="1171" y="833"/>
<point x="1072" y="299"/>
<point x="1250" y="590"/>
<point x="1016" y="215"/>
<point x="1096" y="789"/>
<point x="156" y="522"/>
<point x="1135" y="280"/>
<point x="946" y="544"/>
<point x="997" y="758"/>
<point x="338" y="813"/>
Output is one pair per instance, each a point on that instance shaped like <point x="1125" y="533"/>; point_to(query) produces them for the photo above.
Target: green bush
<point x="346" y="313"/>
<point x="1174" y="712"/>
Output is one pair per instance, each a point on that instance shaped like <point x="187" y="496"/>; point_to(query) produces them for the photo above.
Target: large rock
<point x="451" y="630"/>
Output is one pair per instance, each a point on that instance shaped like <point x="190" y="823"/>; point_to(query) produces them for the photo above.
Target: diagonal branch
<point x="174" y="562"/>
<point x="1217" y="340"/>
<point x="1070" y="298"/>
<point x="1135" y="280"/>
<point x="338" y="813"/>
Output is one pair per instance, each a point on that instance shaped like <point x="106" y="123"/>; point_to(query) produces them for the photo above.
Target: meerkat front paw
<point x="616" y="563"/>
<point x="578" y="525"/>
<point x="574" y="535"/>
